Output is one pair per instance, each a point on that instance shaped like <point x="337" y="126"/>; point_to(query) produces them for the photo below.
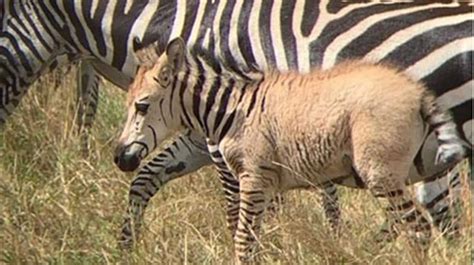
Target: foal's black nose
<point x="126" y="161"/>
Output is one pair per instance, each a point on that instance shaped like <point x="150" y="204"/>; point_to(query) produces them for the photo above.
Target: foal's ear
<point x="175" y="52"/>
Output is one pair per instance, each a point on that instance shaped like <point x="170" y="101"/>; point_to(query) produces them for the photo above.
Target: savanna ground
<point x="57" y="207"/>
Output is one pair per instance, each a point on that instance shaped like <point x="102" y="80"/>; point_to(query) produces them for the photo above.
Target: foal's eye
<point x="141" y="108"/>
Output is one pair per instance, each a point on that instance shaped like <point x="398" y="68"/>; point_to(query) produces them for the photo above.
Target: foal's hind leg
<point x="387" y="185"/>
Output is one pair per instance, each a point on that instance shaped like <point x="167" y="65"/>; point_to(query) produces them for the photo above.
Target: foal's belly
<point x="309" y="176"/>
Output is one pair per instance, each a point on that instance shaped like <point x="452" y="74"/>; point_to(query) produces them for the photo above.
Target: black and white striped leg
<point x="230" y="186"/>
<point x="330" y="204"/>
<point x="253" y="201"/>
<point x="444" y="203"/>
<point x="88" y="82"/>
<point x="185" y="155"/>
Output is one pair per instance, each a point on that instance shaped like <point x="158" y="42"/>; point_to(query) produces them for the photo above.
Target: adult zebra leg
<point x="441" y="198"/>
<point x="88" y="82"/>
<point x="330" y="204"/>
<point x="186" y="154"/>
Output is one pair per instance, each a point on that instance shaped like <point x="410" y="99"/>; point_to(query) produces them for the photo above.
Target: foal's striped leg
<point x="230" y="185"/>
<point x="253" y="201"/>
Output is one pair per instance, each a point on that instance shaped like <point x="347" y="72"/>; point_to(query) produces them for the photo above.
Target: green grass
<point x="57" y="207"/>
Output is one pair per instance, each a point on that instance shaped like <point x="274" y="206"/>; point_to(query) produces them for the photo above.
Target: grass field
<point x="57" y="207"/>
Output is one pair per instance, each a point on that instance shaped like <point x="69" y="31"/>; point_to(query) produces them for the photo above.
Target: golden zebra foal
<point x="277" y="132"/>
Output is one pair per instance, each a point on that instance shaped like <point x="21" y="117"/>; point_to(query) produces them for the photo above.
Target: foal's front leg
<point x="254" y="198"/>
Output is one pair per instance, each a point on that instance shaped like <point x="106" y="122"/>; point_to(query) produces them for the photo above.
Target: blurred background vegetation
<point x="59" y="207"/>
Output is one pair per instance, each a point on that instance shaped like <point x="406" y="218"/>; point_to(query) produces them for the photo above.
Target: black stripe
<point x="210" y="100"/>
<point x="197" y="91"/>
<point x="451" y="74"/>
<point x="230" y="187"/>
<point x="437" y="199"/>
<point x="288" y="37"/>
<point x="310" y="16"/>
<point x="378" y="32"/>
<point x="227" y="125"/>
<point x="184" y="84"/>
<point x="171" y="99"/>
<point x="170" y="151"/>
<point x="265" y="32"/>
<point x="422" y="45"/>
<point x="94" y="23"/>
<point x="253" y="100"/>
<point x="133" y="192"/>
<point x="122" y="28"/>
<point x="189" y="19"/>
<point x="224" y="27"/>
<point x="223" y="104"/>
<point x="243" y="33"/>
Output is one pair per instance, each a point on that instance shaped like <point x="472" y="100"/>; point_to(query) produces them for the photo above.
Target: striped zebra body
<point x="430" y="41"/>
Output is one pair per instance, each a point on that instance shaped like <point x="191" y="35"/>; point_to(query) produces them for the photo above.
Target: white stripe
<point x="206" y="40"/>
<point x="233" y="34"/>
<point x="407" y="34"/>
<point x="107" y="28"/>
<point x="433" y="60"/>
<point x="128" y="5"/>
<point x="216" y="26"/>
<point x="457" y="96"/>
<point x="254" y="35"/>
<point x="95" y="4"/>
<point x="277" y="41"/>
<point x="333" y="49"/>
<point x="138" y="30"/>
<point x="89" y="34"/>
<point x="178" y="23"/>
<point x="196" y="25"/>
<point x="302" y="48"/>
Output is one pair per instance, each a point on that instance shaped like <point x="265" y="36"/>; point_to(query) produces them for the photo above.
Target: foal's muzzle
<point x="126" y="158"/>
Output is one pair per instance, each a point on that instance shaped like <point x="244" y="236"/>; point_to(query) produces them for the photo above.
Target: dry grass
<point x="57" y="207"/>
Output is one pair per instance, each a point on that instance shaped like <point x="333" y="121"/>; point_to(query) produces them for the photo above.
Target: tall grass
<point x="58" y="207"/>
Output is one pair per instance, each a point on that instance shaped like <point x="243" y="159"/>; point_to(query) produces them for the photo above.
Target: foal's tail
<point x="450" y="145"/>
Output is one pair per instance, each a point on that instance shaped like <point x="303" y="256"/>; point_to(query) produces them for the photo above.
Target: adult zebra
<point x="430" y="40"/>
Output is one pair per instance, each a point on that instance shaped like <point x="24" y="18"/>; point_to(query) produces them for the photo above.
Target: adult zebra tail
<point x="451" y="148"/>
